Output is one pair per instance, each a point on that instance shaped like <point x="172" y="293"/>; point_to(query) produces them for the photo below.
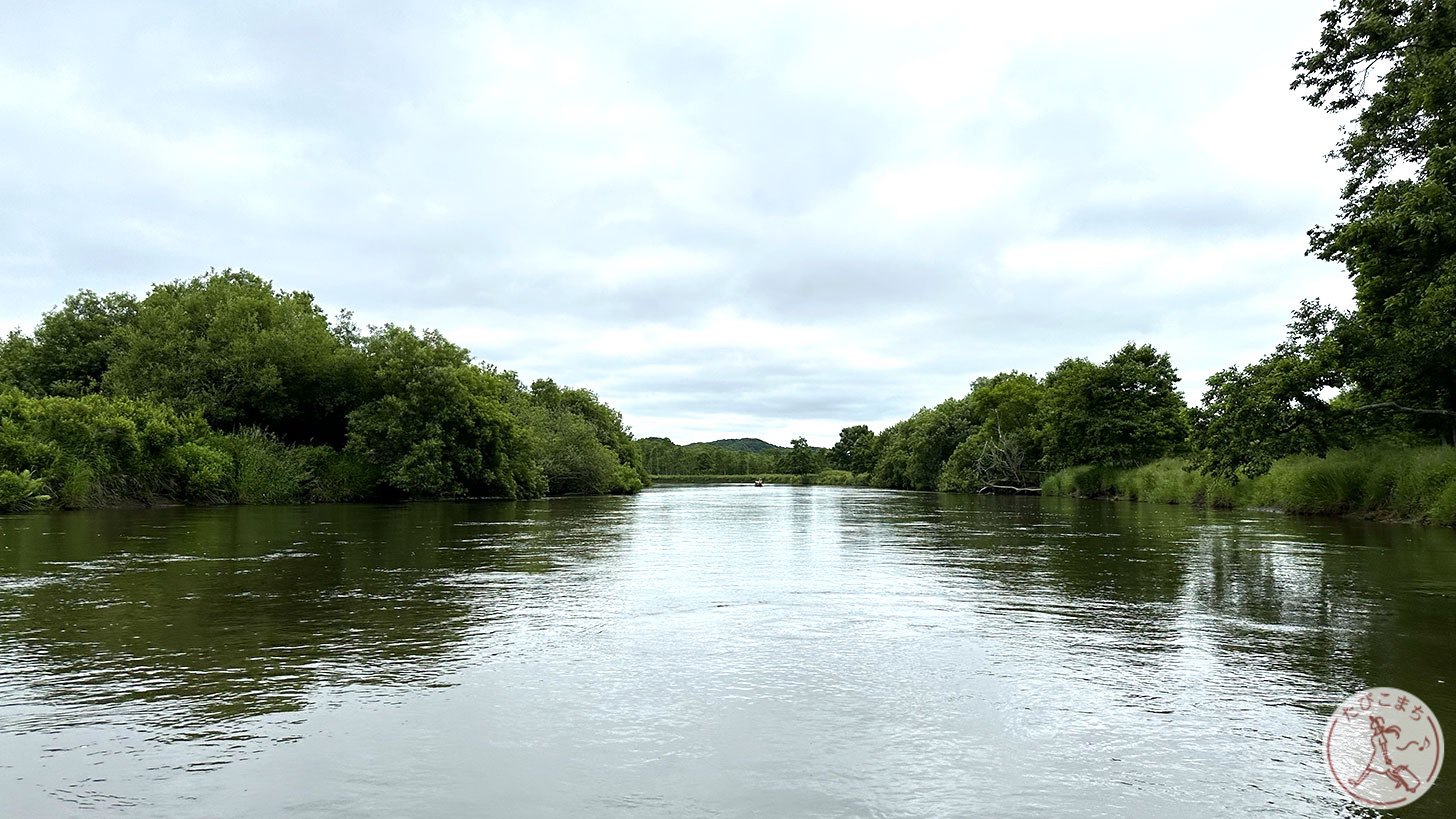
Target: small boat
<point x="758" y="482"/>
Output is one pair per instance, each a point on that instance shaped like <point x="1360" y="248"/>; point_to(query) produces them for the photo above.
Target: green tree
<point x="230" y="346"/>
<point x="74" y="343"/>
<point x="582" y="444"/>
<point x="16" y="352"/>
<point x="1391" y="65"/>
<point x="801" y="459"/>
<point x="855" y="449"/>
<point x="1252" y="416"/>
<point x="912" y="452"/>
<point x="438" y="425"/>
<point x="1005" y="447"/>
<point x="1124" y="412"/>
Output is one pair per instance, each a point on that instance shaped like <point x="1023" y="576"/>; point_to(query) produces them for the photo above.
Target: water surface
<point x="705" y="651"/>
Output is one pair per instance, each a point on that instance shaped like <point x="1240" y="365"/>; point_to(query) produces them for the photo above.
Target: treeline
<point x="1354" y="411"/>
<point x="1120" y="428"/>
<point x="663" y="457"/>
<point x="1013" y="428"/>
<point x="222" y="389"/>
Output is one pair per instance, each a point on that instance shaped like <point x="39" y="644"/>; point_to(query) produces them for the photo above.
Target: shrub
<point x="19" y="492"/>
<point x="203" y="474"/>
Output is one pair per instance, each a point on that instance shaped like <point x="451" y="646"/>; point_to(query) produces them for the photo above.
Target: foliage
<point x="95" y="449"/>
<point x="855" y="450"/>
<point x="1396" y="482"/>
<point x="231" y="347"/>
<point x="572" y="460"/>
<point x="266" y="470"/>
<point x="1168" y="480"/>
<point x="622" y="467"/>
<point x="1391" y="65"/>
<point x="1405" y="483"/>
<point x="1005" y="449"/>
<point x="308" y="412"/>
<point x="913" y="451"/>
<point x="19" y="492"/>
<point x="16" y="352"/>
<point x="1123" y="412"/>
<point x="204" y="474"/>
<point x="1254" y="415"/>
<point x="437" y="425"/>
<point x="801" y="459"/>
<point x="72" y="345"/>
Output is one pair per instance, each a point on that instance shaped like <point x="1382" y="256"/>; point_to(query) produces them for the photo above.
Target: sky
<point x="765" y="219"/>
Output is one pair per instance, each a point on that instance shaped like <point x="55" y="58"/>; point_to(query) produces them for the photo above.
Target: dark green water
<point x="705" y="651"/>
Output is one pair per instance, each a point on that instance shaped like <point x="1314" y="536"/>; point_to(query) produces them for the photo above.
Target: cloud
<point x="760" y="219"/>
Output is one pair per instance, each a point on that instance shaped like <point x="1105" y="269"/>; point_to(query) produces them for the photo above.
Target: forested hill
<point x="731" y="456"/>
<point x="223" y="389"/>
<point x="745" y="445"/>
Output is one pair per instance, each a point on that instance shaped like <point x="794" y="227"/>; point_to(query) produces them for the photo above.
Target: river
<point x="705" y="651"/>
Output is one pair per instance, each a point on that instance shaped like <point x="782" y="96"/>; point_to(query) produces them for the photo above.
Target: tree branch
<point x="1393" y="405"/>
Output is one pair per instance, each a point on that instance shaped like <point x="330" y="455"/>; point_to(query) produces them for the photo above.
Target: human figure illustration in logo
<point x="1383" y="747"/>
<point x="1380" y="761"/>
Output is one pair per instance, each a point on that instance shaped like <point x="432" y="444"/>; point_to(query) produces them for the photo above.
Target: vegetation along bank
<point x="222" y="389"/>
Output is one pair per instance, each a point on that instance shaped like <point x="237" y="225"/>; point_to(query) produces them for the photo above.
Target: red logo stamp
<point x="1383" y="747"/>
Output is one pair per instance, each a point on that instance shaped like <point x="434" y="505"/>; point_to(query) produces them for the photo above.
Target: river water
<point x="705" y="651"/>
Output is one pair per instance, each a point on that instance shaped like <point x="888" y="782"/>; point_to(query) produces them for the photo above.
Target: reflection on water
<point x="705" y="651"/>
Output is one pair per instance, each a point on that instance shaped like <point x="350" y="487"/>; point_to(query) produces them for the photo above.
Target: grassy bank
<point x="1415" y="484"/>
<point x="829" y="477"/>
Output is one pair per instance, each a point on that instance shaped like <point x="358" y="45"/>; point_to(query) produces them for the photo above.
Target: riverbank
<point x="1415" y="484"/>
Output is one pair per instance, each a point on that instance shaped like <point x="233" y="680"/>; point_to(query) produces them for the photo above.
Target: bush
<point x="94" y="449"/>
<point x="266" y="470"/>
<point x="338" y="477"/>
<point x="19" y="492"/>
<point x="203" y="474"/>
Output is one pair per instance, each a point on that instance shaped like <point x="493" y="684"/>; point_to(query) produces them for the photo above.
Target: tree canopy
<point x="224" y="388"/>
<point x="231" y="347"/>
<point x="1391" y="65"/>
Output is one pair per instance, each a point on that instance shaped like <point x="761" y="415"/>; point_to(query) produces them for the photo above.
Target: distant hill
<point x="744" y="445"/>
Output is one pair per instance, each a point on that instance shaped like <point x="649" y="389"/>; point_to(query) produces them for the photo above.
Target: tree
<point x="1124" y="412"/>
<point x="1391" y="65"/>
<point x="1254" y="415"/>
<point x="242" y="354"/>
<point x="855" y="450"/>
<point x="72" y="346"/>
<point x="582" y="444"/>
<point x="801" y="459"/>
<point x="438" y="425"/>
<point x="1005" y="447"/>
<point x="17" y="351"/>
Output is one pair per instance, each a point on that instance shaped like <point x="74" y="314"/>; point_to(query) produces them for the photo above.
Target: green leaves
<point x="1255" y="415"/>
<point x="229" y="346"/>
<point x="1124" y="412"/>
<point x="227" y="351"/>
<point x="855" y="450"/>
<point x="1392" y="65"/>
<point x="19" y="492"/>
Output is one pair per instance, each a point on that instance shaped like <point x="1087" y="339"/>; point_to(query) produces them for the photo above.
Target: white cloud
<point x="760" y="218"/>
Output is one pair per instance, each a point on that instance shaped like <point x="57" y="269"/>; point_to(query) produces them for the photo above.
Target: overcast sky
<point x="729" y="219"/>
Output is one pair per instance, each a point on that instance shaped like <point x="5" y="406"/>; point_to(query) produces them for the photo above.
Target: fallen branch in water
<point x="994" y="487"/>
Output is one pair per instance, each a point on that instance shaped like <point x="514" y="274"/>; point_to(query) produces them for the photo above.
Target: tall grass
<point x="1164" y="481"/>
<point x="1405" y="483"/>
<point x="266" y="470"/>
